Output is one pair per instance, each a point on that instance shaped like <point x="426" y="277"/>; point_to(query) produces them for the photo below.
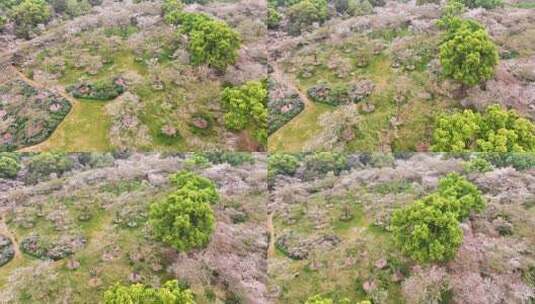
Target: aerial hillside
<point x="374" y="75"/>
<point x="422" y="228"/>
<point x="88" y="228"/>
<point x="105" y="75"/>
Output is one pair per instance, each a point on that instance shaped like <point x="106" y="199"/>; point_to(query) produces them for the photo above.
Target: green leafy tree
<point x="317" y="299"/>
<point x="468" y="55"/>
<point x="198" y="186"/>
<point x="451" y="14"/>
<point x="305" y="13"/>
<point x="495" y="130"/>
<point x="478" y="164"/>
<point x="487" y="4"/>
<point x="46" y="163"/>
<point x="321" y="163"/>
<point x="170" y="293"/>
<point x="3" y="21"/>
<point x="461" y="192"/>
<point x="519" y="161"/>
<point x="232" y="158"/>
<point x="211" y="41"/>
<point x="282" y="163"/>
<point x="245" y="106"/>
<point x="171" y="6"/>
<point x="214" y="43"/>
<point x="75" y="8"/>
<point x="28" y="14"/>
<point x="9" y="166"/>
<point x="273" y="17"/>
<point x="425" y="232"/>
<point x="184" y="219"/>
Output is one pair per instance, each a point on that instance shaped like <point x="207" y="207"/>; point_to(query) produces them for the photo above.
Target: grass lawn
<point x="84" y="129"/>
<point x="292" y="136"/>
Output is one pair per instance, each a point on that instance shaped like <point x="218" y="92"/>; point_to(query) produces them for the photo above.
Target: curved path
<point x="271" y="231"/>
<point x="4" y="230"/>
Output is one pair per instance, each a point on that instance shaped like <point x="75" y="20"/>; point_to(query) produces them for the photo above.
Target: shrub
<point x="462" y="194"/>
<point x="75" y="8"/>
<point x="427" y="233"/>
<point x="487" y="4"/>
<point x="211" y="41"/>
<point x="169" y="293"/>
<point x="46" y="163"/>
<point x="182" y="222"/>
<point x="321" y="163"/>
<point x="3" y="21"/>
<point x="214" y="43"/>
<point x="468" y="55"/>
<point x="196" y="160"/>
<point x="306" y="12"/>
<point x="282" y="163"/>
<point x="201" y="186"/>
<point x="478" y="164"/>
<point x="428" y="229"/>
<point x="99" y="90"/>
<point x="245" y="106"/>
<point x="171" y="6"/>
<point x="519" y="161"/>
<point x="422" y="2"/>
<point x="28" y="14"/>
<point x="496" y="130"/>
<point x="232" y="158"/>
<point x="9" y="166"/>
<point x="317" y="299"/>
<point x="185" y="220"/>
<point x="451" y="14"/>
<point x="273" y="18"/>
<point x="359" y="7"/>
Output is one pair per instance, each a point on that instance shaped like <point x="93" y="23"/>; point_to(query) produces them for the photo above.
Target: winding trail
<point x="281" y="77"/>
<point x="6" y="232"/>
<point x="271" y="230"/>
<point x="75" y="104"/>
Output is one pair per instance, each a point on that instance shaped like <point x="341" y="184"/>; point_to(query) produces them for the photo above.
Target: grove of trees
<point x="495" y="130"/>
<point x="185" y="219"/>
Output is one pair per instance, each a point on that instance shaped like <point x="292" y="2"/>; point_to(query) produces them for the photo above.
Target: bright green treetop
<point x="245" y="106"/>
<point x="468" y="55"/>
<point x="495" y="130"/>
<point x="465" y="195"/>
<point x="9" y="167"/>
<point x="28" y="14"/>
<point x="185" y="219"/>
<point x="196" y="186"/>
<point x="170" y="293"/>
<point x="427" y="233"/>
<point x="214" y="43"/>
<point x="181" y="221"/>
